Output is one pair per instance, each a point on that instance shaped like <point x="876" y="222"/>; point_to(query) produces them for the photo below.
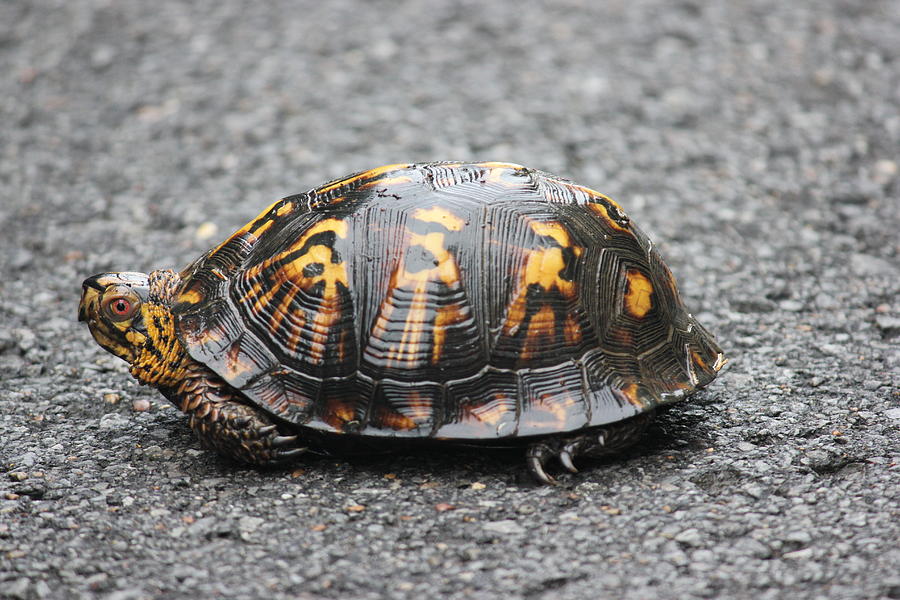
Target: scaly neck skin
<point x="162" y="360"/>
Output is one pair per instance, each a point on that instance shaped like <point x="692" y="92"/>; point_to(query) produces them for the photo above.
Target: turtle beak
<point x="91" y="290"/>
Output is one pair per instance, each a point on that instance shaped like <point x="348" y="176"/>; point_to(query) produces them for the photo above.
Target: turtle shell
<point x="445" y="300"/>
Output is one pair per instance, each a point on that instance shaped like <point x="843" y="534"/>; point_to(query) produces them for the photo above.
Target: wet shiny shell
<point x="461" y="301"/>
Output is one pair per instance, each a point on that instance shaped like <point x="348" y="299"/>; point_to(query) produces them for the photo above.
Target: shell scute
<point x="406" y="408"/>
<point x="553" y="400"/>
<point x="484" y="406"/>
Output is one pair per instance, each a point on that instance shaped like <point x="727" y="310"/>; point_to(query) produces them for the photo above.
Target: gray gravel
<point x="756" y="141"/>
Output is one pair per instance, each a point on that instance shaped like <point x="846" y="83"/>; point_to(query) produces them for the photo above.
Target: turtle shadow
<point x="675" y="430"/>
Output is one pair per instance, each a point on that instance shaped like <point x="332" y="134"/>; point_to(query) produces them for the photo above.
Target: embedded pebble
<point x="113" y="421"/>
<point x="250" y="524"/>
<point x="690" y="537"/>
<point x="505" y="527"/>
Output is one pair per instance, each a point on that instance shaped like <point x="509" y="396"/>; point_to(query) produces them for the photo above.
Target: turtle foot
<point x="594" y="442"/>
<point x="226" y="424"/>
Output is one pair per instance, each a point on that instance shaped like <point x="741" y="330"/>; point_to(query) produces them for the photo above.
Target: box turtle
<point x="483" y="303"/>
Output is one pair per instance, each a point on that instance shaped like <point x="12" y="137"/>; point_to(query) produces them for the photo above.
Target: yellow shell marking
<point x="284" y="209"/>
<point x="255" y="228"/>
<point x="595" y="194"/>
<point x="698" y="360"/>
<point x="445" y="316"/>
<point x="499" y="173"/>
<point x="418" y="408"/>
<point x="572" y="330"/>
<point x="366" y="175"/>
<point x="293" y="270"/>
<point x="552" y="409"/>
<point x="602" y="211"/>
<point x="492" y="413"/>
<point x="542" y="267"/>
<point x="332" y="274"/>
<point x="630" y="392"/>
<point x="499" y="165"/>
<point x="388" y="417"/>
<point x="338" y="226"/>
<point x="554" y="230"/>
<point x="387" y="181"/>
<point x="328" y="314"/>
<point x="190" y="297"/>
<point x="338" y="412"/>
<point x="439" y="215"/>
<point x="445" y="270"/>
<point x="638" y="295"/>
<point x="541" y="326"/>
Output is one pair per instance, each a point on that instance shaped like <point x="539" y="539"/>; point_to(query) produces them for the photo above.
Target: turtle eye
<point x="119" y="308"/>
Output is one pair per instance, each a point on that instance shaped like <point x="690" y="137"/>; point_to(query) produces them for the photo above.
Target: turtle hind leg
<point x="225" y="423"/>
<point x="593" y="442"/>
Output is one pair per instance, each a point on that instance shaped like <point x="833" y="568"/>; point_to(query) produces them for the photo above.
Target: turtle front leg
<point x="225" y="423"/>
<point x="594" y="442"/>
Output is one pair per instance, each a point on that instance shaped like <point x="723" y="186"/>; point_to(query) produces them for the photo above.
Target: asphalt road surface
<point x="757" y="142"/>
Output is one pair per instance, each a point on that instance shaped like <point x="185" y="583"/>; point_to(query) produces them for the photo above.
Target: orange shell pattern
<point x="445" y="300"/>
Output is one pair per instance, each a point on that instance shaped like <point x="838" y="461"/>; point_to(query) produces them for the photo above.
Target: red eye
<point x="120" y="306"/>
<point x="119" y="309"/>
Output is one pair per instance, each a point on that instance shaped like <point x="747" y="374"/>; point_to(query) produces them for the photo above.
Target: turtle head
<point x="128" y="315"/>
<point x="111" y="305"/>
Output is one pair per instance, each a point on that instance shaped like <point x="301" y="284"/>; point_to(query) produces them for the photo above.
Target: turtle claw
<point x="596" y="442"/>
<point x="565" y="458"/>
<point x="282" y="440"/>
<point x="280" y="448"/>
<point x="284" y="455"/>
<point x="537" y="454"/>
<point x="537" y="470"/>
<point x="268" y="448"/>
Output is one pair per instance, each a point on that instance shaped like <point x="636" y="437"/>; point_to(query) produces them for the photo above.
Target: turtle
<point x="479" y="303"/>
